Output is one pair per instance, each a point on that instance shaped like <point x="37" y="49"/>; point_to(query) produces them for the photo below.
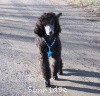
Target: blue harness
<point x="50" y="53"/>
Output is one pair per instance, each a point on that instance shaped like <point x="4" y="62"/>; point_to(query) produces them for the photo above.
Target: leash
<point x="49" y="47"/>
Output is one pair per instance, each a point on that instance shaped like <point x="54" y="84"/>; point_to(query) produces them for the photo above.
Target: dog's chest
<point x="50" y="45"/>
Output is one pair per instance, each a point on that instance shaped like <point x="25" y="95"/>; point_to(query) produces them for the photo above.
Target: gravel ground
<point x="20" y="73"/>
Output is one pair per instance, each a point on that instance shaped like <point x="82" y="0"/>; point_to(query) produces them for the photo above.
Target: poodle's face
<point x="49" y="27"/>
<point x="48" y="24"/>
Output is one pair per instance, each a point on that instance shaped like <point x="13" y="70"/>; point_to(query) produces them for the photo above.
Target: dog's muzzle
<point x="49" y="29"/>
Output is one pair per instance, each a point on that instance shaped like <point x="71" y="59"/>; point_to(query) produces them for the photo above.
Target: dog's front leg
<point x="44" y="62"/>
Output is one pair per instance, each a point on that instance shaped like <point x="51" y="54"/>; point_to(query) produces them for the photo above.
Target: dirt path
<point x="20" y="73"/>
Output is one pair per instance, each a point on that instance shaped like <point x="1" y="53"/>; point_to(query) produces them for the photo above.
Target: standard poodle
<point x="47" y="31"/>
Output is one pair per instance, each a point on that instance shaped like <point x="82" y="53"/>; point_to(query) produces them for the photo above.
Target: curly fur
<point x="56" y="48"/>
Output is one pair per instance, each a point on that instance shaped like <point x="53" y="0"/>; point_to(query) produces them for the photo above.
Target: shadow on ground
<point x="81" y="73"/>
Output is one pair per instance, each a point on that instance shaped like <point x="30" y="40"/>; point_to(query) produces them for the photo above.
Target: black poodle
<point x="47" y="31"/>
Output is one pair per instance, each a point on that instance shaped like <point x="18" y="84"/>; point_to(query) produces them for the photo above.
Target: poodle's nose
<point x="50" y="32"/>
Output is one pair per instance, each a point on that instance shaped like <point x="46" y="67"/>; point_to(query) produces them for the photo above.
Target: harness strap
<point x="49" y="46"/>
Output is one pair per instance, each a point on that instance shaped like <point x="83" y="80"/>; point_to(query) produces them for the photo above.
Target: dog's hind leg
<point x="60" y="67"/>
<point x="57" y="67"/>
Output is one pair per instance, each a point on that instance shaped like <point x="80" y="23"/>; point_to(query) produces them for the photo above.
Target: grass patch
<point x="90" y="5"/>
<point x="86" y="2"/>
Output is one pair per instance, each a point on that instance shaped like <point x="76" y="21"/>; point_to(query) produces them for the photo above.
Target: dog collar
<point x="50" y="53"/>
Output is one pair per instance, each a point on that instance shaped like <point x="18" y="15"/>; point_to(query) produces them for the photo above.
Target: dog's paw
<point x="47" y="83"/>
<point x="55" y="77"/>
<point x="61" y="73"/>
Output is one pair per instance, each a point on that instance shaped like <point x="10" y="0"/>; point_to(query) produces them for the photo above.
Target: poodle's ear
<point x="58" y="15"/>
<point x="44" y="13"/>
<point x="57" y="25"/>
<point x="39" y="30"/>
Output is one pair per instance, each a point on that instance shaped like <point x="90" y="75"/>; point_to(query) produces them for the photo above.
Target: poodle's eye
<point x="45" y="23"/>
<point x="52" y="22"/>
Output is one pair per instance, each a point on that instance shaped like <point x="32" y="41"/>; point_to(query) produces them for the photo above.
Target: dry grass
<point x="90" y="5"/>
<point x="86" y="2"/>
